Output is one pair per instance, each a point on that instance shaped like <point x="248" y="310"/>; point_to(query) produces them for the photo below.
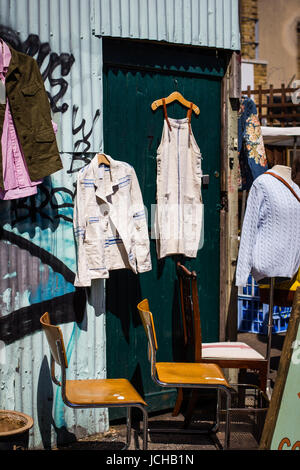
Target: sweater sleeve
<point x="248" y="234"/>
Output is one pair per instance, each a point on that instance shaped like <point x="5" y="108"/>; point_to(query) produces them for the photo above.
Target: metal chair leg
<point x="218" y="407"/>
<point x="129" y="423"/>
<point x="227" y="422"/>
<point x="145" y="428"/>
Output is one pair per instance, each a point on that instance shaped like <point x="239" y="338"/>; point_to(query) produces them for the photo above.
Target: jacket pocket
<point x="94" y="227"/>
<point x="31" y="89"/>
<point x="94" y="256"/>
<point x="45" y="136"/>
<point x="45" y="143"/>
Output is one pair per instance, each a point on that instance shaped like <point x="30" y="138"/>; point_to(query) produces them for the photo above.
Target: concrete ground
<point x="246" y="427"/>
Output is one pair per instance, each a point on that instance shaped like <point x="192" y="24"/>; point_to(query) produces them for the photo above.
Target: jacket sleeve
<point x="248" y="235"/>
<point x="140" y="224"/>
<point x="82" y="277"/>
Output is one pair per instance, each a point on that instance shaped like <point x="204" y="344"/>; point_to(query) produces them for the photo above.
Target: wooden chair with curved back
<point x="92" y="393"/>
<point x="236" y="355"/>
<point x="184" y="374"/>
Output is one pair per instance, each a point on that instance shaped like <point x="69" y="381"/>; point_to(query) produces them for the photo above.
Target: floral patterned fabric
<point x="252" y="156"/>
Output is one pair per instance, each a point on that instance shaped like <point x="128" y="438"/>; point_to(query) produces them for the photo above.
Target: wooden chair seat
<point x="105" y="391"/>
<point x="92" y="393"/>
<point x="226" y="355"/>
<point x="185" y="374"/>
<point x="190" y="373"/>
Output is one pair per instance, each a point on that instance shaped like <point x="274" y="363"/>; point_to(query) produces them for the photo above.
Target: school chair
<point x="92" y="393"/>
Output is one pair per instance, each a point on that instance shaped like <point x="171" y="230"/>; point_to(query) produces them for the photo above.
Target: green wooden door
<point x="136" y="74"/>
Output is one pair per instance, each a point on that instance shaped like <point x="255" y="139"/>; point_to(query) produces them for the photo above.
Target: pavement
<point x="246" y="426"/>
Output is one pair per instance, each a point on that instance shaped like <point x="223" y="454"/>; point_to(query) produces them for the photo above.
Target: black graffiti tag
<point x="85" y="136"/>
<point x="33" y="46"/>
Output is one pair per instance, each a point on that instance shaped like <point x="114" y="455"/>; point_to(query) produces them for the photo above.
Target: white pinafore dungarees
<point x="179" y="211"/>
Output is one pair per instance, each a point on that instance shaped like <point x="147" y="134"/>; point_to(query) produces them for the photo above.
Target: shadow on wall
<point x="25" y="321"/>
<point x="41" y="211"/>
<point x="123" y="293"/>
<point x="65" y="302"/>
<point x="44" y="410"/>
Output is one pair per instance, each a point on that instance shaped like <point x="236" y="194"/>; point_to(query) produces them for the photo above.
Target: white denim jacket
<point x="109" y="222"/>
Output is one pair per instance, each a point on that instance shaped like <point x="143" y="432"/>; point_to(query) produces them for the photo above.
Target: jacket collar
<point x="14" y="61"/>
<point x="117" y="173"/>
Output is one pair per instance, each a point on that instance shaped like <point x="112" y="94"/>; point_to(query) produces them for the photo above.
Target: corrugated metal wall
<point x="37" y="249"/>
<point x="211" y="23"/>
<point x="59" y="32"/>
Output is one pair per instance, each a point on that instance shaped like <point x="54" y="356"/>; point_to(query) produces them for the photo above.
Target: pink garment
<point x="16" y="178"/>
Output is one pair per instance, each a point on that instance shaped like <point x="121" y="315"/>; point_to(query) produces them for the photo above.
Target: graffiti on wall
<point x="51" y="64"/>
<point x="42" y="52"/>
<point x="37" y="245"/>
<point x="27" y="222"/>
<point x="82" y="135"/>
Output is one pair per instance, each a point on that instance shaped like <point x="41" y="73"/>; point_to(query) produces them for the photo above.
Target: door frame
<point x="230" y="99"/>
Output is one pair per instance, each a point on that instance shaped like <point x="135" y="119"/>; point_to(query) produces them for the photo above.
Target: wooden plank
<point x="290" y="115"/>
<point x="266" y="91"/>
<point x="281" y="430"/>
<point x="287" y="111"/>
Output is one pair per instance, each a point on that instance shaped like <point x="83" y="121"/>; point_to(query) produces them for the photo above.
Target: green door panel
<point x="136" y="74"/>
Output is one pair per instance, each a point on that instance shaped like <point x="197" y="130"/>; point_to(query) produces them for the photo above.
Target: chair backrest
<point x="54" y="335"/>
<point x="189" y="302"/>
<point x="148" y="323"/>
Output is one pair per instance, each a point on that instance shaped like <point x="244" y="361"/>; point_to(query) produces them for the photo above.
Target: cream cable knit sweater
<point x="270" y="238"/>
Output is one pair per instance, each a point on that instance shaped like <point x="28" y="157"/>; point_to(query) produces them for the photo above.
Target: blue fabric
<point x="252" y="156"/>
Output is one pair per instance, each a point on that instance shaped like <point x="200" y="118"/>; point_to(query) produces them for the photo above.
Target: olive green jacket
<point x="30" y="110"/>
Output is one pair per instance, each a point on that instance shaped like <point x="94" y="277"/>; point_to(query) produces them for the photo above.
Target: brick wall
<point x="248" y="17"/>
<point x="248" y="20"/>
<point x="260" y="75"/>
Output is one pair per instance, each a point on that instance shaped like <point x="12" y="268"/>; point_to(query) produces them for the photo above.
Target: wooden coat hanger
<point x="175" y="96"/>
<point x="102" y="159"/>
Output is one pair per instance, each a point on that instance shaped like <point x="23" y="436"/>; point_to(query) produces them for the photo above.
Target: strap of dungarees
<point x="189" y="116"/>
<point x="166" y="114"/>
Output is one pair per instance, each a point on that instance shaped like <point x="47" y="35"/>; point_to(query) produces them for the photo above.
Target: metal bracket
<point x="205" y="179"/>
